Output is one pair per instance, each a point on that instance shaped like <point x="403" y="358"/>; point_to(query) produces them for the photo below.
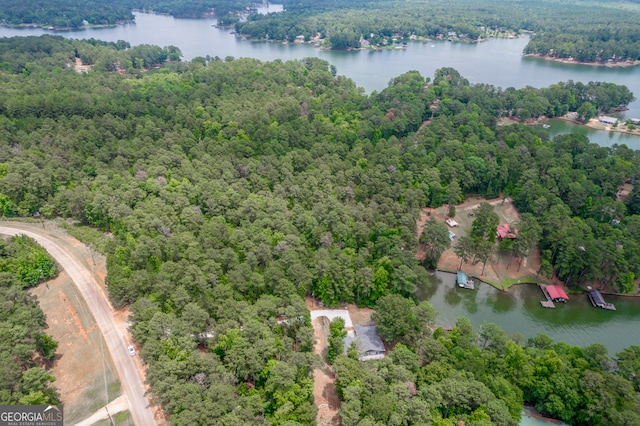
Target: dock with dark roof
<point x="598" y="301"/>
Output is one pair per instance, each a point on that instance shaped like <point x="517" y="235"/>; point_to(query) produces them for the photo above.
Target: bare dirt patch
<point x="360" y="316"/>
<point x="501" y="271"/>
<point x="78" y="66"/>
<point x="325" y="396"/>
<point x="82" y="392"/>
<point x="84" y="371"/>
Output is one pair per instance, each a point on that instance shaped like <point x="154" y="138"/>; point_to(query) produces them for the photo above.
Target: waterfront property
<point x="463" y="281"/>
<point x="367" y="342"/>
<point x="607" y="120"/>
<point x="598" y="301"/>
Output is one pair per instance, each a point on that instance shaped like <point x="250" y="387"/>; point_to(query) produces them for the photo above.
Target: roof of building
<point x="607" y="119"/>
<point x="596" y="297"/>
<point x="462" y="278"/>
<point x="505" y="231"/>
<point x="556" y="292"/>
<point x="368" y="338"/>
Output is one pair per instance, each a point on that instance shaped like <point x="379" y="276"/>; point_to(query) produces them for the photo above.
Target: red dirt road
<point x="89" y="288"/>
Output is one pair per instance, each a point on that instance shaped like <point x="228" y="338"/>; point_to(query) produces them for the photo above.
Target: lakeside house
<point x="367" y="341"/>
<point x="607" y="120"/>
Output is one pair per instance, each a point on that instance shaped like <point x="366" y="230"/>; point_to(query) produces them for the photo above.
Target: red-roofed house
<point x="505" y="231"/>
<point x="557" y="293"/>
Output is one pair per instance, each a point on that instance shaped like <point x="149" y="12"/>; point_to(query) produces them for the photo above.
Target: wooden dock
<point x="470" y="285"/>
<point x="549" y="302"/>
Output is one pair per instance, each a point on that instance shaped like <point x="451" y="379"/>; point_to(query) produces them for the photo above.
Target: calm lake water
<point x="519" y="311"/>
<point x="498" y="62"/>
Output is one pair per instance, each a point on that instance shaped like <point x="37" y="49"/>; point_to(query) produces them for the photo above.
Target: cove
<point x="519" y="311"/>
<point x="498" y="61"/>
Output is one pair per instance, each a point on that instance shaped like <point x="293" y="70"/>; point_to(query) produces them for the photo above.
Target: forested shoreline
<point x="582" y="31"/>
<point x="232" y="189"/>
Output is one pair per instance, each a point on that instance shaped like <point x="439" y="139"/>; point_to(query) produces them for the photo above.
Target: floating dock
<point x="598" y="301"/>
<point x="549" y="302"/>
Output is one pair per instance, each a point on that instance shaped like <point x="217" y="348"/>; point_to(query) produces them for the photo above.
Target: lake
<point x="498" y="62"/>
<point x="519" y="311"/>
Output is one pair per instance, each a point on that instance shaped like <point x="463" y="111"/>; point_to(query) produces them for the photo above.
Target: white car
<point x="132" y="350"/>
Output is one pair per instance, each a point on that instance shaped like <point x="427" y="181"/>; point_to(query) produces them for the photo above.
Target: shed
<point x="449" y="221"/>
<point x="368" y="342"/>
<point x="557" y="293"/>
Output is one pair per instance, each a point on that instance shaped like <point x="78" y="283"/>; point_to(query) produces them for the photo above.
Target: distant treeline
<point x="586" y="31"/>
<point x="75" y="14"/>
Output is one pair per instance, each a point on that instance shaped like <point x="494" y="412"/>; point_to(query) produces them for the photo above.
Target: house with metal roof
<point x="367" y="341"/>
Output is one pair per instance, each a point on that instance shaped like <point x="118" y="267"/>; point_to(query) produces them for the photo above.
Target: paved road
<point x="87" y="284"/>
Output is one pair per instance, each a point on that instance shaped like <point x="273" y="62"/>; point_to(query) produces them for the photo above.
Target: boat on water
<point x="546" y="126"/>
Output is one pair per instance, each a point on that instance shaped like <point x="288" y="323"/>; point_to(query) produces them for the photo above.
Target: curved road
<point x="84" y="279"/>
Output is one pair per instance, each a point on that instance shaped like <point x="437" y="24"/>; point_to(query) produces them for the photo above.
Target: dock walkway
<point x="470" y="285"/>
<point x="549" y="302"/>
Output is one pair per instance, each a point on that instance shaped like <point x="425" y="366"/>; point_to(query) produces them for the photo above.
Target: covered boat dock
<point x="463" y="281"/>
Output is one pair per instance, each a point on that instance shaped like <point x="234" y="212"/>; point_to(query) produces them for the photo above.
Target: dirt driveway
<point x="77" y="262"/>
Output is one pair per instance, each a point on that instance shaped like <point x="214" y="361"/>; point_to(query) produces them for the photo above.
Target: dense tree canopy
<point x="76" y="14"/>
<point x="230" y="190"/>
<point x="586" y="31"/>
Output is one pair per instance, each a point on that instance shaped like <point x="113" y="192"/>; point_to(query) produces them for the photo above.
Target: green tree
<point x="486" y="222"/>
<point x="435" y="237"/>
